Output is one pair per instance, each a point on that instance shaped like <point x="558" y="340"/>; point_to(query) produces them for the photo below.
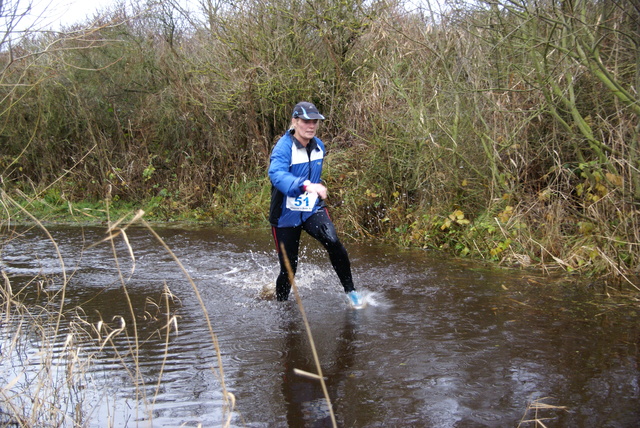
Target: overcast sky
<point x="65" y="12"/>
<point x="53" y="14"/>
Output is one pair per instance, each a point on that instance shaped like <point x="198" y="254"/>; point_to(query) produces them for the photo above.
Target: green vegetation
<point x="501" y="130"/>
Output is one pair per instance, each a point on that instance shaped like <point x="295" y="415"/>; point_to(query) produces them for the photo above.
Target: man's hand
<point x="317" y="188"/>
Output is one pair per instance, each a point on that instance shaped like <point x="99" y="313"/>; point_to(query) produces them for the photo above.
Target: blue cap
<point x="305" y="110"/>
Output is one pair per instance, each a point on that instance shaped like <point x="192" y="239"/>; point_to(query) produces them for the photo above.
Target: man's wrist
<point x="305" y="184"/>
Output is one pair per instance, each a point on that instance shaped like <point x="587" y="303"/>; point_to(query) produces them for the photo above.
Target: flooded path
<point x="442" y="342"/>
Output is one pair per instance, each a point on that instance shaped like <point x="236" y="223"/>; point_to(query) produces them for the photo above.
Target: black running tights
<point x="320" y="227"/>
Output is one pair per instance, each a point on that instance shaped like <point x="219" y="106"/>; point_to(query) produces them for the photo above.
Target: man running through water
<point x="297" y="200"/>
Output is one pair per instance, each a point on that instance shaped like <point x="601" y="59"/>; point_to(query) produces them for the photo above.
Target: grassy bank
<point x="494" y="238"/>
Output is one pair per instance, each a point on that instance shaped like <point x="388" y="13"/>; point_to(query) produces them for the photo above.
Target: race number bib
<point x="304" y="202"/>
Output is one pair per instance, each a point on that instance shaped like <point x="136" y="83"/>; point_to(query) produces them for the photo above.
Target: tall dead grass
<point x="49" y="346"/>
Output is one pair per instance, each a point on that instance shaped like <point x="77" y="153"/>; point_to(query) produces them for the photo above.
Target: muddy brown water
<point x="442" y="342"/>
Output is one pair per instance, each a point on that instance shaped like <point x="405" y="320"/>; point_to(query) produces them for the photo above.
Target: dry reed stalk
<point x="228" y="396"/>
<point x="47" y="384"/>
<point x="133" y="350"/>
<point x="170" y="321"/>
<point x="319" y="375"/>
<point x="114" y="231"/>
<point x="535" y="406"/>
<point x="63" y="288"/>
<point x="27" y="395"/>
<point x="7" y="294"/>
<point x="38" y="393"/>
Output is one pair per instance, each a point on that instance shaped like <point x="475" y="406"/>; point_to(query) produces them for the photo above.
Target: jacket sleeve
<point x="279" y="173"/>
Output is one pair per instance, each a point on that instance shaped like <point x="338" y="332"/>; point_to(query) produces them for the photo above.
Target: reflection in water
<point x="304" y="397"/>
<point x="446" y="343"/>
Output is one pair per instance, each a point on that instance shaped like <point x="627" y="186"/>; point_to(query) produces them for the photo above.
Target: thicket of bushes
<point x="503" y="130"/>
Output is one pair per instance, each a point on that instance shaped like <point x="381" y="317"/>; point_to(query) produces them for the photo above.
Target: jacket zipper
<point x="308" y="175"/>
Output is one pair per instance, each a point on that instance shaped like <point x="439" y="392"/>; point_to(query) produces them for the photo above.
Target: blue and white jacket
<point x="292" y="164"/>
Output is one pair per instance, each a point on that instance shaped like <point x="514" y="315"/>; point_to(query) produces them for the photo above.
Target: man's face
<point x="306" y="129"/>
